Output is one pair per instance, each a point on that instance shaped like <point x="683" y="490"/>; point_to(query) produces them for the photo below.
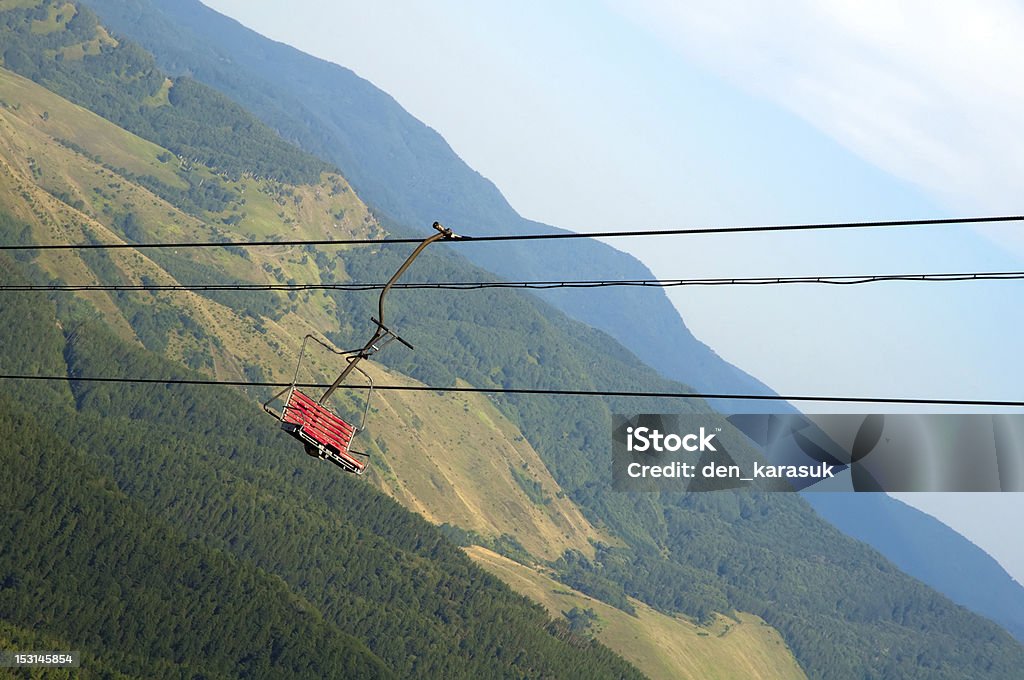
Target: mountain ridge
<point x="409" y="173"/>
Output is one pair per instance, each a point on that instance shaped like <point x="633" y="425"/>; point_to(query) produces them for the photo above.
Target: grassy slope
<point x="447" y="469"/>
<point x="458" y="470"/>
<point x="661" y="646"/>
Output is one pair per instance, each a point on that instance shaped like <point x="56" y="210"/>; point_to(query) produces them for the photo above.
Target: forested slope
<point x="169" y="546"/>
<point x="920" y="545"/>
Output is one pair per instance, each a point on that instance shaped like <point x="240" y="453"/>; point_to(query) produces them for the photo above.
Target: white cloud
<point x="932" y="92"/>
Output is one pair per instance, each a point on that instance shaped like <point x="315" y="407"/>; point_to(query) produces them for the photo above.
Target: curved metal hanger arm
<point x="443" y="233"/>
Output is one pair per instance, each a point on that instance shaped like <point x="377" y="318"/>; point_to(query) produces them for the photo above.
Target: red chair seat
<point x="317" y="425"/>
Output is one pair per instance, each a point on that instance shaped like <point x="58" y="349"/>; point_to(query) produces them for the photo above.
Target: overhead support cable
<point x="558" y="235"/>
<point x="840" y="280"/>
<point x="537" y="391"/>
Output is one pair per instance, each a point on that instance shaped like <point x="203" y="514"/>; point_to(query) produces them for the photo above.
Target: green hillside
<point x="402" y="167"/>
<point x="167" y="547"/>
<point x="222" y="335"/>
<point x="434" y="466"/>
<point x="212" y="468"/>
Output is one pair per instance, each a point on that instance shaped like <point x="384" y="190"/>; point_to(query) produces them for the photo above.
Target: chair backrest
<point x="320" y="424"/>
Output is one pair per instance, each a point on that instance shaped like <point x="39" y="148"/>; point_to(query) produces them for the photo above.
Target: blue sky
<point x="653" y="113"/>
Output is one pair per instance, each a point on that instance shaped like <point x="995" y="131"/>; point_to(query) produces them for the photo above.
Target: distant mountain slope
<point x="920" y="545"/>
<point x="406" y="170"/>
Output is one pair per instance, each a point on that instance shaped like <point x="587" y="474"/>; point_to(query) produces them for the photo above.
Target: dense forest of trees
<point x="85" y="562"/>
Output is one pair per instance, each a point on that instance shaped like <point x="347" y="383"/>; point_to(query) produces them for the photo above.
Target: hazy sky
<point x="656" y="113"/>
